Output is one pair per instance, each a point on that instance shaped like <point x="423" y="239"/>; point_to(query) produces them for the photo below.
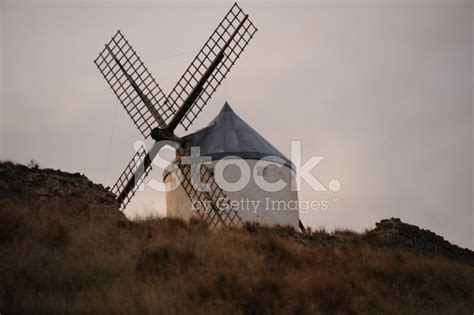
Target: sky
<point x="381" y="89"/>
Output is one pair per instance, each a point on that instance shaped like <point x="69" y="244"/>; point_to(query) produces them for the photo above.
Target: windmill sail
<point x="215" y="208"/>
<point x="210" y="67"/>
<point x="135" y="172"/>
<point x="133" y="85"/>
<point x="132" y="177"/>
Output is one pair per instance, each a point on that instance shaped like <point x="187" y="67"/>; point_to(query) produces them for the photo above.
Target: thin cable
<point x="172" y="56"/>
<point x="110" y="144"/>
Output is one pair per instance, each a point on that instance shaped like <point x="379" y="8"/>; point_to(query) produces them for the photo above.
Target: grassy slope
<point x="74" y="256"/>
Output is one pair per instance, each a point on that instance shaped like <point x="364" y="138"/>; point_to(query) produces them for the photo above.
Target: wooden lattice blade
<point x="134" y="174"/>
<point x="215" y="208"/>
<point x="210" y="66"/>
<point x="133" y="85"/>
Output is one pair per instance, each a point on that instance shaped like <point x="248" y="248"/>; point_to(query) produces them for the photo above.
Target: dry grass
<point x="74" y="257"/>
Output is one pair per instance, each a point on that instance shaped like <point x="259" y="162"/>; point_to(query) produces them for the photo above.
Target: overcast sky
<point x="382" y="89"/>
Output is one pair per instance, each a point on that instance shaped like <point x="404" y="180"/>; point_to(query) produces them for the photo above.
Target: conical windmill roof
<point x="228" y="134"/>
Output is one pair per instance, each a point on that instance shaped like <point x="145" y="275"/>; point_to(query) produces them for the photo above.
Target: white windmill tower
<point x="229" y="141"/>
<point x="157" y="115"/>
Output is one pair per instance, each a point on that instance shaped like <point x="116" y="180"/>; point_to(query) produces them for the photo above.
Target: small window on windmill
<point x="211" y="170"/>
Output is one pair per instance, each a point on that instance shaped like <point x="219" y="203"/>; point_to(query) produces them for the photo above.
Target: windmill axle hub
<point x="162" y="134"/>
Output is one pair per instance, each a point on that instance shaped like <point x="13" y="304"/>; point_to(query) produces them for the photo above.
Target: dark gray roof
<point x="228" y="134"/>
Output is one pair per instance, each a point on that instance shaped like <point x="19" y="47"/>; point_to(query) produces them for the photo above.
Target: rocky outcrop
<point x="25" y="184"/>
<point x="393" y="233"/>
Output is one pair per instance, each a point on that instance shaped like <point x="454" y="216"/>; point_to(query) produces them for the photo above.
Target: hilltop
<point x="64" y="246"/>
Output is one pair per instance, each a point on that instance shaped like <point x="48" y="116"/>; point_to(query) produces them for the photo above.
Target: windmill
<point x="158" y="115"/>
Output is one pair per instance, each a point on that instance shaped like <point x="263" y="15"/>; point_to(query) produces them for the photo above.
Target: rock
<point x="393" y="233"/>
<point x="21" y="183"/>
